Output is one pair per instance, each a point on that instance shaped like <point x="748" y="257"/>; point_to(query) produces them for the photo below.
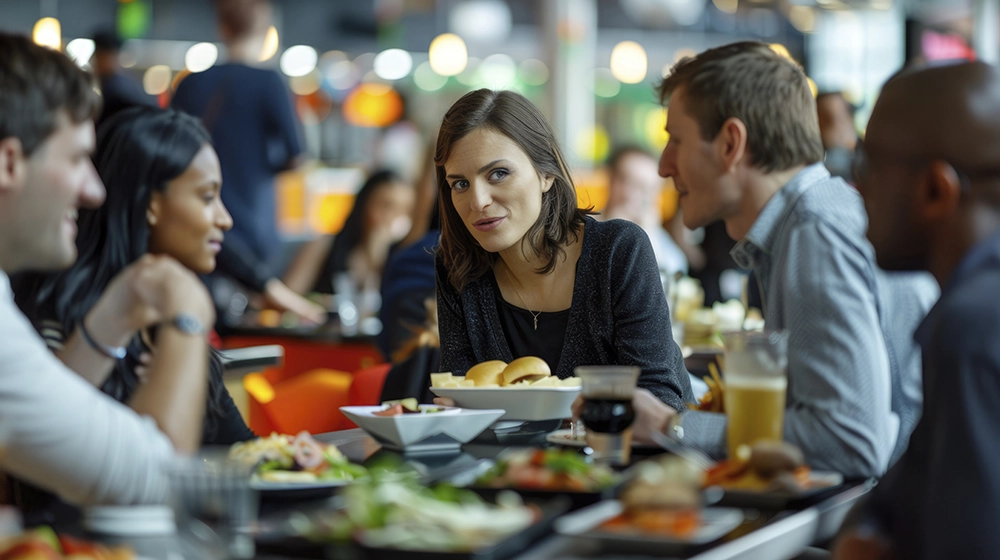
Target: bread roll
<point x="486" y="373"/>
<point x="528" y="368"/>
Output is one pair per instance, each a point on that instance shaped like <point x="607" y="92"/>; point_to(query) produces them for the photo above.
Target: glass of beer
<point x="756" y="378"/>
<point x="607" y="410"/>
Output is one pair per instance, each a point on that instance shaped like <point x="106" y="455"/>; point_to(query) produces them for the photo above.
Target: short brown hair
<point x="36" y="84"/>
<point x="765" y="90"/>
<point x="559" y="220"/>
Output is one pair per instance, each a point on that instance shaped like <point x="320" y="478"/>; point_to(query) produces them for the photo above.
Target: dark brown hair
<point x="765" y="90"/>
<point x="36" y="84"/>
<point x="240" y="18"/>
<point x="559" y="220"/>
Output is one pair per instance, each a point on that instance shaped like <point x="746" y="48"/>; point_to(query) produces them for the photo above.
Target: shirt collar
<point x="760" y="240"/>
<point x="981" y="255"/>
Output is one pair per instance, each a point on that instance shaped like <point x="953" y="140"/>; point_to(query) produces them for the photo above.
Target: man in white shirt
<point x="58" y="431"/>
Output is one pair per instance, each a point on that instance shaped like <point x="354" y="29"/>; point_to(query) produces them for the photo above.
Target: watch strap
<point x="113" y="352"/>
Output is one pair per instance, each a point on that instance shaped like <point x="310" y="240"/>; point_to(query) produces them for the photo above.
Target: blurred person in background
<point x="352" y="261"/>
<point x="522" y="271"/>
<point x="118" y="91"/>
<point x="836" y="128"/>
<point x="248" y="111"/>
<point x="408" y="288"/>
<point x="745" y="149"/>
<point x="162" y="179"/>
<point x="634" y="191"/>
<point x="931" y="185"/>
<point x="57" y="430"/>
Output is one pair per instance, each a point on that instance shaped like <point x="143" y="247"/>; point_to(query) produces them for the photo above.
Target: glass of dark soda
<point x="607" y="410"/>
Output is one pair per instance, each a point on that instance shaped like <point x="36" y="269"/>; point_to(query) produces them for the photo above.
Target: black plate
<point x="299" y="547"/>
<point x="576" y="500"/>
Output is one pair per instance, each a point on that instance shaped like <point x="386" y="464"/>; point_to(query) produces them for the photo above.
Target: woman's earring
<point x="151" y="218"/>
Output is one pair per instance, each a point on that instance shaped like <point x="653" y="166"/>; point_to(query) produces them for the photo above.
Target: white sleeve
<point x="62" y="434"/>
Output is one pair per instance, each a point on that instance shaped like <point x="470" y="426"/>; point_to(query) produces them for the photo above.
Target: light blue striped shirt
<point x="853" y="367"/>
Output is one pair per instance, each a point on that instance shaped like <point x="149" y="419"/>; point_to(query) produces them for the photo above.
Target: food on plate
<point x="486" y="373"/>
<point x="664" y="497"/>
<point x="285" y="458"/>
<point x="765" y="466"/>
<point x="523" y="373"/>
<point x="43" y="544"/>
<point x="405" y="406"/>
<point x="392" y="510"/>
<point x="712" y="401"/>
<point x="556" y="470"/>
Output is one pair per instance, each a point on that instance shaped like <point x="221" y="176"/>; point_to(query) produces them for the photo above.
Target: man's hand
<point x="282" y="298"/>
<point x="651" y="414"/>
<point x="861" y="544"/>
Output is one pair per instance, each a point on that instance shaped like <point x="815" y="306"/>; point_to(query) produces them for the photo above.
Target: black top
<point x="249" y="113"/>
<point x="942" y="498"/>
<point x="524" y="339"/>
<point x="619" y="315"/>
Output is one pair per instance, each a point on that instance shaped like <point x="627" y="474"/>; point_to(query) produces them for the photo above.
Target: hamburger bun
<point x="528" y="368"/>
<point x="486" y="373"/>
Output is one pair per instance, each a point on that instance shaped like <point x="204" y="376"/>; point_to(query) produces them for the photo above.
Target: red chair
<point x="310" y="401"/>
<point x="366" y="388"/>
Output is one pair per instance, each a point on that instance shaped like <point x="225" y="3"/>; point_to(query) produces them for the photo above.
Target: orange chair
<point x="310" y="401"/>
<point x="366" y="388"/>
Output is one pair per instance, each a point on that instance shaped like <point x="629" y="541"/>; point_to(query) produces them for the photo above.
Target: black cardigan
<point x="619" y="315"/>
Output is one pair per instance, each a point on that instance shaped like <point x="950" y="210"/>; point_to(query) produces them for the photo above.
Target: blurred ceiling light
<point x="156" y="80"/>
<point x="393" y="64"/>
<point x="47" y="33"/>
<point x="881" y="4"/>
<point x="605" y="83"/>
<point x="298" y="60"/>
<point x="498" y="71"/>
<point x="365" y="62"/>
<point x="427" y="79"/>
<point x="128" y="57"/>
<point x="469" y="76"/>
<point x="448" y="55"/>
<point x="487" y="21"/>
<point x="803" y="18"/>
<point x="331" y="57"/>
<point x="342" y="74"/>
<point x="80" y="50"/>
<point x="628" y="62"/>
<point x="781" y="50"/>
<point x="534" y="72"/>
<point x="305" y="85"/>
<point x="727" y="6"/>
<point x="270" y="47"/>
<point x="373" y="105"/>
<point x="201" y="57"/>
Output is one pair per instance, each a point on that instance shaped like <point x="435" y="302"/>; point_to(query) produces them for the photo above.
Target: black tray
<point x="575" y="500"/>
<point x="299" y="547"/>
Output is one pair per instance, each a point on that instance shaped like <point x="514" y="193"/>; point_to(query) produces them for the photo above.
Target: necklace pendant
<point x="536" y="323"/>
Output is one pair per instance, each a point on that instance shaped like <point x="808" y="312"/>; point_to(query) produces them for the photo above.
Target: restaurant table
<point x="764" y="535"/>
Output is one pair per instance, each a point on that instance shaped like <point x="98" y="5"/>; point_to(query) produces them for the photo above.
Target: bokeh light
<point x="373" y="105"/>
<point x="47" y="33"/>
<point x="628" y="62"/>
<point x="156" y="80"/>
<point x="448" y="55"/>
<point x="80" y="50"/>
<point x="533" y="72"/>
<point x="393" y="64"/>
<point x="201" y="57"/>
<point x="271" y="43"/>
<point x="298" y="60"/>
<point x="605" y="83"/>
<point x="427" y="79"/>
<point x="497" y="71"/>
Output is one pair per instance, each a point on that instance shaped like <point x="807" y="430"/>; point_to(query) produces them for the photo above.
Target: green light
<point x="133" y="19"/>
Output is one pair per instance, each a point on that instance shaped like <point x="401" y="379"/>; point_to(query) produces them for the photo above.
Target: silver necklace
<point x="518" y="292"/>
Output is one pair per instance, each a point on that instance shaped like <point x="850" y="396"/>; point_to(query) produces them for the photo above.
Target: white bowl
<point x="425" y="432"/>
<point x="541" y="403"/>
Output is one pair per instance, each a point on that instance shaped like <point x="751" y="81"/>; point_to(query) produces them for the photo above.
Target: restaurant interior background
<point x="372" y="78"/>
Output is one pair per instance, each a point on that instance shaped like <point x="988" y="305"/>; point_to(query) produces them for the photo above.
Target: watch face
<point x="188" y="324"/>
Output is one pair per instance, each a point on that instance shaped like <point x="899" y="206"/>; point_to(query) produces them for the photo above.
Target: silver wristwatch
<point x="187" y="324"/>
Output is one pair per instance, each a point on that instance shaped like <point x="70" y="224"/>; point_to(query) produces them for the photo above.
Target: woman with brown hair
<point x="522" y="270"/>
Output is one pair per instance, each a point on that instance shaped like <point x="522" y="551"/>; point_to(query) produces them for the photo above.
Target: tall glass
<point x="756" y="379"/>
<point x="607" y="410"/>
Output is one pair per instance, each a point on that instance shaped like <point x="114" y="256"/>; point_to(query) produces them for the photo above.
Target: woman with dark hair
<point x="353" y="260"/>
<point x="163" y="182"/>
<point x="521" y="270"/>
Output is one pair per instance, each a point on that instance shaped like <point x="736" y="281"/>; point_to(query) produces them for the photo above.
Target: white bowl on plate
<point x="528" y="404"/>
<point x="434" y="431"/>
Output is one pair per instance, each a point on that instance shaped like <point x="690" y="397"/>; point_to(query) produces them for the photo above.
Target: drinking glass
<point x="756" y="379"/>
<point x="607" y="410"/>
<point x="214" y="503"/>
